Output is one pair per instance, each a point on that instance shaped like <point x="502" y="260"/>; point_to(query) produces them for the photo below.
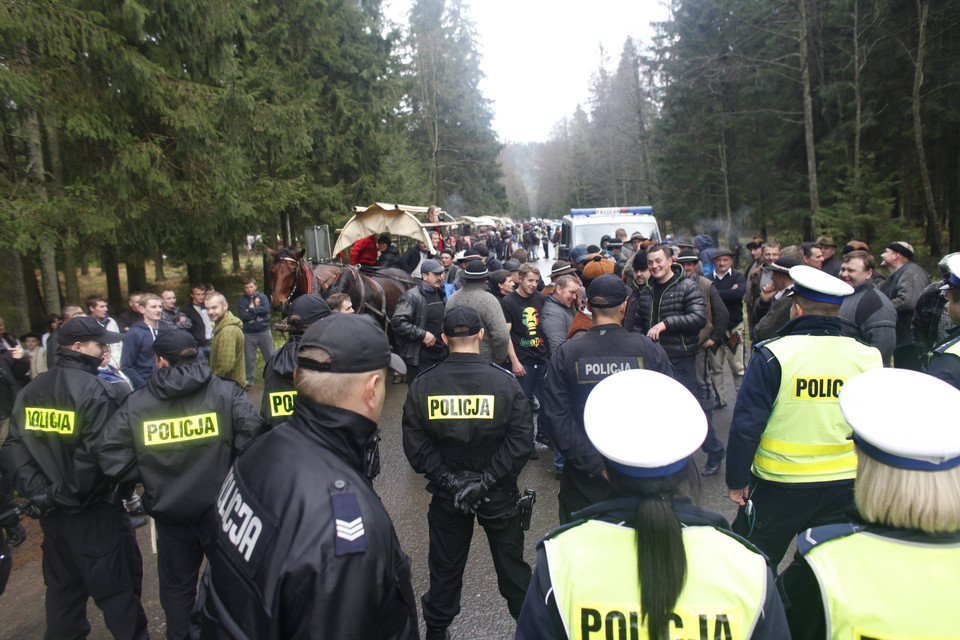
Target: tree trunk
<point x="235" y="255"/>
<point x="725" y="169"/>
<point x="933" y="219"/>
<point x="48" y="263"/>
<point x="194" y="273"/>
<point x="158" y="266"/>
<point x="111" y="269"/>
<point x="809" y="225"/>
<point x="84" y="262"/>
<point x="21" y="321"/>
<point x="136" y="271"/>
<point x="267" y="260"/>
<point x="38" y="315"/>
<point x="70" y="271"/>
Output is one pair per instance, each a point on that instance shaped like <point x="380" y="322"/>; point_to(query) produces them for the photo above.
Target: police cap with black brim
<point x="607" y="291"/>
<point x="644" y="449"/>
<point x="461" y="321"/>
<point x="953" y="264"/>
<point x="880" y="403"/>
<point x="85" y="329"/>
<point x="818" y="285"/>
<point x="355" y="342"/>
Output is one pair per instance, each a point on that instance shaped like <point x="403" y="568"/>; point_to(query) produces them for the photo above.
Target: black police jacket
<point x="467" y="415"/>
<point x="276" y="406"/>
<point x="305" y="548"/>
<point x="574" y="370"/>
<point x="56" y="430"/>
<point x="179" y="435"/>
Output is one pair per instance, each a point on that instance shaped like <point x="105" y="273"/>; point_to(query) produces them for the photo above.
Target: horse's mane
<point x="287" y="252"/>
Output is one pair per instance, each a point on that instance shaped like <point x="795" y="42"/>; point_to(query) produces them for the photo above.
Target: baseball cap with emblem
<point x="645" y="449"/>
<point x="355" y="342"/>
<point x="607" y="291"/>
<point x="174" y="343"/>
<point x="878" y="403"/>
<point x="465" y="318"/>
<point x="815" y="284"/>
<point x="85" y="329"/>
<point x="475" y="270"/>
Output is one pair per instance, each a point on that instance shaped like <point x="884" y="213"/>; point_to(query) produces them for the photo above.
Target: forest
<point x="168" y="131"/>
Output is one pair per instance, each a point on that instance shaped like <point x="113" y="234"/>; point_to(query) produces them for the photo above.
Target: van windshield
<point x="588" y="234"/>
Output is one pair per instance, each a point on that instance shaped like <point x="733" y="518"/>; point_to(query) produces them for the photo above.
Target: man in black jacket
<point x="178" y="435"/>
<point x="467" y="426"/>
<point x="389" y="256"/>
<point x="731" y="285"/>
<point x="278" y="388"/>
<point x="201" y="326"/>
<point x="574" y="370"/>
<point x="89" y="548"/>
<point x="418" y="321"/>
<point x="305" y="548"/>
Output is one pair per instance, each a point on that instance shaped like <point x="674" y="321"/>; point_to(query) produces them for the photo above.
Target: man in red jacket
<point x="364" y="251"/>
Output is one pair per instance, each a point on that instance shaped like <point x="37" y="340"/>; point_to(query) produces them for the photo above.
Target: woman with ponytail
<point x="650" y="565"/>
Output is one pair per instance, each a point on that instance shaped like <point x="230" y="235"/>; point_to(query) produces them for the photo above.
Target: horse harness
<point x="380" y="313"/>
<point x="300" y="271"/>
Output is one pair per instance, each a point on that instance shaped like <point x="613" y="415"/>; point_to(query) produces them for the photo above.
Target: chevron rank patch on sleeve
<point x="351" y="537"/>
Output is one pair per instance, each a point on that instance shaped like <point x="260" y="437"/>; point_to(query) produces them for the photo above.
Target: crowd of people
<point x="505" y="362"/>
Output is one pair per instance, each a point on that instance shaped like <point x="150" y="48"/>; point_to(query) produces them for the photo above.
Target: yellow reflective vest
<point x="877" y="587"/>
<point x="806" y="436"/>
<point x="593" y="570"/>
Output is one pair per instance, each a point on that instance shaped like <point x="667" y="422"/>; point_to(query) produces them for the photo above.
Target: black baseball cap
<point x="174" y="343"/>
<point x="355" y="342"/>
<point x="461" y="317"/>
<point x="307" y="309"/>
<point x="85" y="329"/>
<point x="607" y="291"/>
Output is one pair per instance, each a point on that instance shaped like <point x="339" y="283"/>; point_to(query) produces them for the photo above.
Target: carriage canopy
<point x="383" y="217"/>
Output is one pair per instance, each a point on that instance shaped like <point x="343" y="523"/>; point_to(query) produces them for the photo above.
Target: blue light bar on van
<point x="607" y="211"/>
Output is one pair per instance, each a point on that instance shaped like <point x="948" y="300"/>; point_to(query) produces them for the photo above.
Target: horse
<point x="293" y="277"/>
<point x="373" y="293"/>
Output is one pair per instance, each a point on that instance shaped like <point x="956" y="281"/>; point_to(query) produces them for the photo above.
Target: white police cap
<point x="953" y="263"/>
<point x="818" y="285"/>
<point x="673" y="425"/>
<point x="903" y="418"/>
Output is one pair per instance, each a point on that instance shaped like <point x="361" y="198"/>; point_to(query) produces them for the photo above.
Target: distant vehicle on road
<point x="587" y="226"/>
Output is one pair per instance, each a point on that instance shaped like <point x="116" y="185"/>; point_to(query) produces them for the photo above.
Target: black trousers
<point x="180" y="551"/>
<point x="92" y="554"/>
<point x="782" y="511"/>
<point x="685" y="372"/>
<point x="450" y="536"/>
<point x="579" y="490"/>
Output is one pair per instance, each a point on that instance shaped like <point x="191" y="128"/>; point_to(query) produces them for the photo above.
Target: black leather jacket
<point x="681" y="306"/>
<point x="68" y="408"/>
<point x="164" y="434"/>
<point x="305" y="548"/>
<point x="408" y="322"/>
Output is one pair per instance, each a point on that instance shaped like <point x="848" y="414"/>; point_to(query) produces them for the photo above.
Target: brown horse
<point x="373" y="293"/>
<point x="293" y="277"/>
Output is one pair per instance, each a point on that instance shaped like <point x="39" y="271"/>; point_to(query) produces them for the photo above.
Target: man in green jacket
<point x="226" y="348"/>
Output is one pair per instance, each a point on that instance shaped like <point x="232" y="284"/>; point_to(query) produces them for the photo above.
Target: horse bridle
<point x="297" y="273"/>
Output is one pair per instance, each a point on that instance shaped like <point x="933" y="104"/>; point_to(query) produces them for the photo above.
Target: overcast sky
<point x="538" y="55"/>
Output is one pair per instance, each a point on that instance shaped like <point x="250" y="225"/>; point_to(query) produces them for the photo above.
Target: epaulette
<point x="496" y="366"/>
<point x="818" y="535"/>
<point x="348" y="519"/>
<point x="757" y="346"/>
<point x="423" y="371"/>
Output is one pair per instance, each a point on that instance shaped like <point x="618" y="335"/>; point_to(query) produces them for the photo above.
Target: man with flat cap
<point x="772" y="310"/>
<point x="54" y="456"/>
<point x="278" y="389"/>
<point x="468" y="428"/>
<point x="789" y="463"/>
<point x="418" y="320"/>
<point x="178" y="435"/>
<point x="574" y="370"/>
<point x="906" y="282"/>
<point x="305" y="548"/>
<point x="828" y="249"/>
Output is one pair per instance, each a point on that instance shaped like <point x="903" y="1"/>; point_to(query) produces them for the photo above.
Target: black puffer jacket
<point x="179" y="435"/>
<point x="68" y="408"/>
<point x="681" y="306"/>
<point x="278" y="382"/>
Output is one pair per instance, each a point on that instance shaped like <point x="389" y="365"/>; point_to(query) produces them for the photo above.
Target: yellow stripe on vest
<point x="779" y="446"/>
<point x="172" y="430"/>
<point x="49" y="420"/>
<point x="846" y="463"/>
<point x="448" y="407"/>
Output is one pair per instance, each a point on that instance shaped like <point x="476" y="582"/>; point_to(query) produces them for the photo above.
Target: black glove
<point x="473" y="493"/>
<point x="39" y="505"/>
<point x="452" y="483"/>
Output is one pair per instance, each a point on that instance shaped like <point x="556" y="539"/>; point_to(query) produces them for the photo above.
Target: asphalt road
<point x="483" y="613"/>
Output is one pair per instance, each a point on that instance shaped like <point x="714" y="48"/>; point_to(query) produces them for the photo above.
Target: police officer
<point x="89" y="548"/>
<point x="178" y="435"/>
<point x="892" y="573"/>
<point x="788" y="450"/>
<point x="276" y="405"/>
<point x="304" y="547"/>
<point x="468" y="427"/>
<point x="649" y="562"/>
<point x="944" y="360"/>
<point x="574" y="370"/>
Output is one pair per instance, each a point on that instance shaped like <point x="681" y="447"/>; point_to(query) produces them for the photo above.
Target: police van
<point x="587" y="226"/>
